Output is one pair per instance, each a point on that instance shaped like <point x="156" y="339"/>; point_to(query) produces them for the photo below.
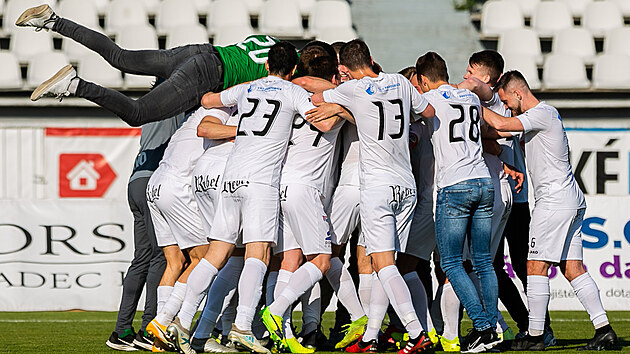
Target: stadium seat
<point x="101" y="6"/>
<point x="332" y="35"/>
<point x="527" y="6"/>
<point x="81" y="11"/>
<point x="564" y="72"/>
<point x="230" y="35"/>
<point x="151" y="6"/>
<point x="602" y="16"/>
<point x="306" y="7"/>
<point x="281" y="18"/>
<point x="2" y="4"/>
<point x="254" y="6"/>
<point x="175" y="13"/>
<point x="228" y="13"/>
<point x="125" y="13"/>
<point x="624" y="6"/>
<point x="521" y="41"/>
<point x="575" y="41"/>
<point x="202" y="6"/>
<point x="617" y="41"/>
<point x="577" y="7"/>
<point x="92" y="67"/>
<point x="138" y="37"/>
<point x="10" y="74"/>
<point x="329" y="14"/>
<point x="42" y="67"/>
<point x="526" y="65"/>
<point x="27" y="43"/>
<point x="551" y="17"/>
<point x="14" y="8"/>
<point x="500" y="16"/>
<point x="612" y="71"/>
<point x="190" y="34"/>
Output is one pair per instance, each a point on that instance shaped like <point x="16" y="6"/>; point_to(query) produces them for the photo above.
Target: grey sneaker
<point x="246" y="339"/>
<point x="41" y="17"/>
<point x="57" y="86"/>
<point x="210" y="345"/>
<point x="177" y="334"/>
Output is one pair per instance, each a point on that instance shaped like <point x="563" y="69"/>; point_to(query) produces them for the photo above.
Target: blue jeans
<point x="465" y="209"/>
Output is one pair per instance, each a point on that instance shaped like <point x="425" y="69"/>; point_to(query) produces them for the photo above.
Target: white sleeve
<point x="302" y="101"/>
<point x="534" y="120"/>
<point x="230" y="96"/>
<point x="222" y="114"/>
<point x="418" y="102"/>
<point x="341" y="94"/>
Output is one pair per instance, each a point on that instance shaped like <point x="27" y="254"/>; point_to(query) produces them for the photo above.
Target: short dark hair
<point x="337" y="46"/>
<point x="377" y="68"/>
<point x="408" y="72"/>
<point x="306" y="56"/>
<point x="510" y="77"/>
<point x="282" y="58"/>
<point x="327" y="47"/>
<point x="324" y="67"/>
<point x="432" y="66"/>
<point x="491" y="60"/>
<point x="355" y="55"/>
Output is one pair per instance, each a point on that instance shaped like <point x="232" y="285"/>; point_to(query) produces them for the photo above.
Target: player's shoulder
<point x="542" y="110"/>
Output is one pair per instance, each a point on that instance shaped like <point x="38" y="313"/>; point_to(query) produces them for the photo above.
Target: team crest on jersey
<point x="446" y="94"/>
<point x="206" y="183"/>
<point x="153" y="193"/>
<point x="233" y="186"/>
<point x="371" y="89"/>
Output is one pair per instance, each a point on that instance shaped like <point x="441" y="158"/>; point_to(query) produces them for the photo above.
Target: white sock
<point x="199" y="281"/>
<point x="172" y="305"/>
<point x="449" y="304"/>
<point x="588" y="294"/>
<point x="249" y="292"/>
<point x="302" y="279"/>
<point x="219" y="295"/>
<point x="228" y="316"/>
<point x="501" y="325"/>
<point x="272" y="278"/>
<point x="365" y="291"/>
<point x="537" y="299"/>
<point x="312" y="309"/>
<point x="400" y="298"/>
<point x="74" y="83"/>
<point x="163" y="292"/>
<point x="378" y="308"/>
<point x="283" y="279"/>
<point x="342" y="284"/>
<point x="419" y="298"/>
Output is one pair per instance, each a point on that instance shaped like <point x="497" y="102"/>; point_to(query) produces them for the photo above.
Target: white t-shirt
<point x="227" y="116"/>
<point x="309" y="158"/>
<point x="457" y="137"/>
<point x="423" y="163"/>
<point x="381" y="107"/>
<point x="547" y="154"/>
<point x="494" y="162"/>
<point x="350" y="148"/>
<point x="185" y="147"/>
<point x="267" y="107"/>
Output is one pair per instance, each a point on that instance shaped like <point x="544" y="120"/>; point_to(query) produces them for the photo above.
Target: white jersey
<point x="227" y="116"/>
<point x="309" y="158"/>
<point x="457" y="137"/>
<point x="547" y="154"/>
<point x="494" y="162"/>
<point x="423" y="163"/>
<point x="267" y="107"/>
<point x="185" y="147"/>
<point x="381" y="107"/>
<point x="350" y="148"/>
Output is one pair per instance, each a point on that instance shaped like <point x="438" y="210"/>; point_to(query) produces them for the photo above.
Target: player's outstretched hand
<point x="322" y="112"/>
<point x="517" y="176"/>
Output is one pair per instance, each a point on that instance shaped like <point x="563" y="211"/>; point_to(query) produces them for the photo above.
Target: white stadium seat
<point x="577" y="7"/>
<point x="202" y="6"/>
<point x="190" y="34"/>
<point x="617" y="41"/>
<point x="500" y="16"/>
<point x="2" y="3"/>
<point x="306" y="7"/>
<point x="624" y="6"/>
<point x="602" y="16"/>
<point x="138" y="37"/>
<point x="328" y="14"/>
<point x="527" y="6"/>
<point x="575" y="41"/>
<point x="228" y="13"/>
<point x="13" y="10"/>
<point x="230" y="35"/>
<point x="27" y="43"/>
<point x="101" y="6"/>
<point x="332" y="35"/>
<point x="92" y="67"/>
<point x="125" y="13"/>
<point x="612" y="71"/>
<point x="254" y="6"/>
<point x="564" y="72"/>
<point x="81" y="11"/>
<point x="526" y="65"/>
<point x="10" y="73"/>
<point x="151" y="6"/>
<point x="175" y="13"/>
<point x="551" y="17"/>
<point x="521" y="41"/>
<point x="281" y="18"/>
<point x="42" y="67"/>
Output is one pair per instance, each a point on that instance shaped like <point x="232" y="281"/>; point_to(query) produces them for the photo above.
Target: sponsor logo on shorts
<point x="206" y="183"/>
<point x="153" y="193"/>
<point x="400" y="194"/>
<point x="232" y="186"/>
<point x="283" y="194"/>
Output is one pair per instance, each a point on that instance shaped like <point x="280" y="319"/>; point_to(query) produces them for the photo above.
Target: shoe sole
<point x="121" y="347"/>
<point x="142" y="345"/>
<point x="38" y="92"/>
<point x="32" y="13"/>
<point x="160" y="335"/>
<point x="237" y="339"/>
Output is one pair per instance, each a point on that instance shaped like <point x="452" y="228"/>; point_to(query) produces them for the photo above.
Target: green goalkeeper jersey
<point x="245" y="61"/>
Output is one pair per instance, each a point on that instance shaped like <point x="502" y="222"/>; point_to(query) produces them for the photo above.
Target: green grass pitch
<point x="86" y="332"/>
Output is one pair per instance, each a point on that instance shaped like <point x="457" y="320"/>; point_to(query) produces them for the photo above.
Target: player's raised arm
<point x="500" y="123"/>
<point x="479" y="88"/>
<point x="314" y="84"/>
<point x="212" y="128"/>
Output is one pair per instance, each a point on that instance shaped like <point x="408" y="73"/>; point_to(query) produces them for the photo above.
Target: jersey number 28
<point x="473" y="115"/>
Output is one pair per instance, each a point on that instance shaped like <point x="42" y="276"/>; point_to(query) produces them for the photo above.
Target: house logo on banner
<point x="84" y="175"/>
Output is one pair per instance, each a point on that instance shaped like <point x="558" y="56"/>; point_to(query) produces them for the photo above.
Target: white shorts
<point x="344" y="213"/>
<point x="421" y="235"/>
<point x="386" y="214"/>
<point x="174" y="211"/>
<point x="555" y="235"/>
<point x="303" y="221"/>
<point x="250" y="208"/>
<point x="206" y="185"/>
<point x="500" y="213"/>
